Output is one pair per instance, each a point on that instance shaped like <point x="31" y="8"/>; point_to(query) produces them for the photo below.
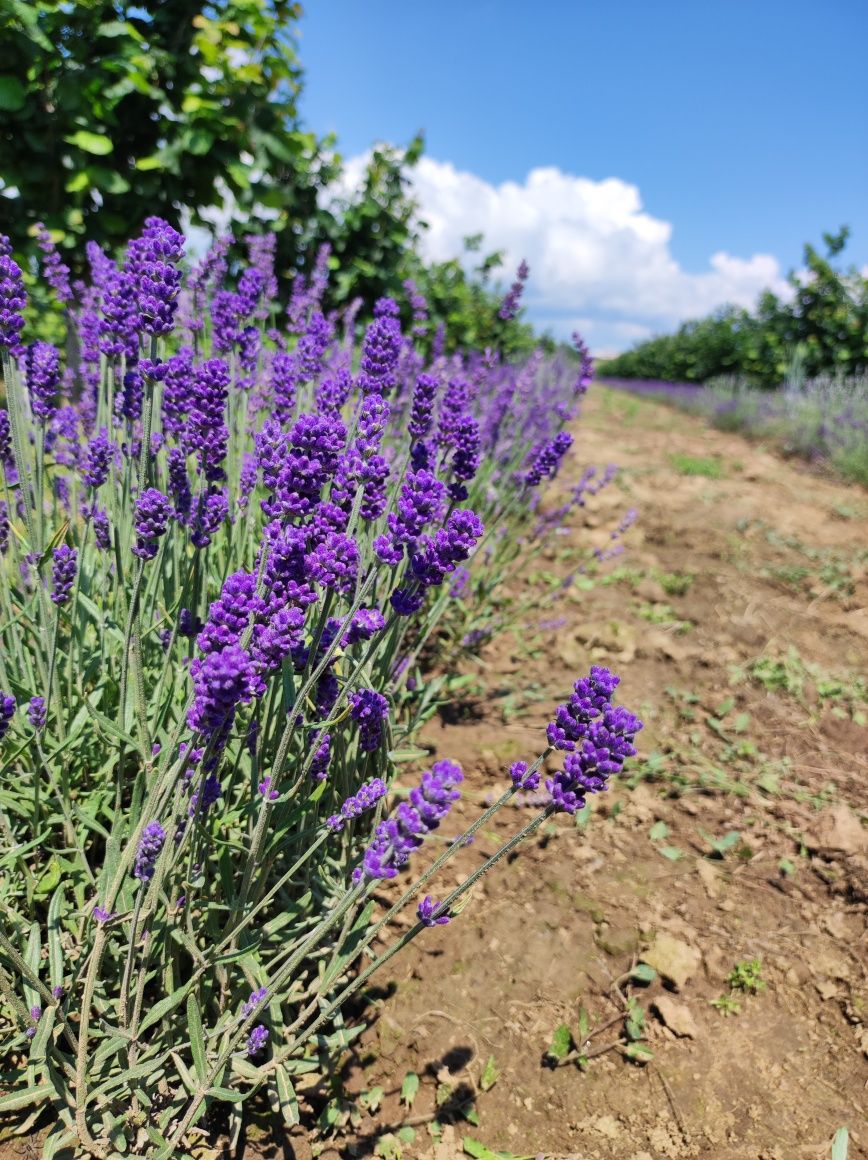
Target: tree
<point x="110" y="112"/>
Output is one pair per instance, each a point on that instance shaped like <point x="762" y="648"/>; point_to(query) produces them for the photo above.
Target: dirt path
<point x="738" y="618"/>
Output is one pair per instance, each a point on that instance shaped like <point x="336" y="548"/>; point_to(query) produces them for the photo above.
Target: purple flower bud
<point x="37" y="713"/>
<point x="257" y="1039"/>
<point x="365" y="798"/>
<point x="427" y="912"/>
<point x="7" y="712"/>
<point x="42" y="371"/>
<point x="13" y="298"/>
<point x="256" y="999"/>
<point x="150" y="845"/>
<point x="521" y="779"/>
<point x="63" y="568"/>
<point x="153" y="512"/>
<point x="370" y="710"/>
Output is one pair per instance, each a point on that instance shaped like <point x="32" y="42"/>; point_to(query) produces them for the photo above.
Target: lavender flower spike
<point x="13" y="299"/>
<point x="7" y="712"/>
<point x="365" y="798"/>
<point x="150" y="844"/>
<point x="598" y="737"/>
<point x="427" y="912"/>
<point x="63" y="573"/>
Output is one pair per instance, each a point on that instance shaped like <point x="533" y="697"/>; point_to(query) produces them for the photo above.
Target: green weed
<point x="697" y="465"/>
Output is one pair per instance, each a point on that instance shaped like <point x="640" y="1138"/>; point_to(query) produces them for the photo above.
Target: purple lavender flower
<point x="7" y="712"/>
<point x="206" y="432"/>
<point x="548" y="460"/>
<point x="97" y="460"/>
<point x="364" y="624"/>
<point x="101" y="529"/>
<point x="4" y="528"/>
<point x="380" y="351"/>
<point x="512" y="301"/>
<point x="257" y="997"/>
<point x="521" y="779"/>
<point x="212" y="509"/>
<point x="397" y="837"/>
<point x="37" y="713"/>
<point x="230" y="614"/>
<point x="153" y="512"/>
<point x="42" y="371"/>
<point x="267" y="792"/>
<point x="419" y="504"/>
<point x="365" y="798"/>
<point x="177" y="390"/>
<point x="179" y="484"/>
<point x="434" y="558"/>
<point x="221" y="681"/>
<point x="370" y="710"/>
<point x="274" y="640"/>
<point x="320" y="765"/>
<point x="257" y="1039"/>
<point x="428" y="912"/>
<point x="100" y="915"/>
<point x="589" y="700"/>
<point x="419" y="307"/>
<point x="65" y="562"/>
<point x="150" y="845"/>
<point x="152" y="260"/>
<point x="586" y="367"/>
<point x="598" y="737"/>
<point x="13" y="298"/>
<point x="55" y="271"/>
<point x="422" y="413"/>
<point x="465" y="457"/>
<point x="119" y="325"/>
<point x="210" y="792"/>
<point x="335" y="562"/>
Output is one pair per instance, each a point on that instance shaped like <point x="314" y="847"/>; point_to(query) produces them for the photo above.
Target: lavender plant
<point x="226" y="535"/>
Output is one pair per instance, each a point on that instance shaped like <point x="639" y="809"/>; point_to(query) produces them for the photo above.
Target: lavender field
<point x="822" y="420"/>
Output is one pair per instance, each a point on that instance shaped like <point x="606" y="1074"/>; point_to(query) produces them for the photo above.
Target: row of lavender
<point x="822" y="420"/>
<point x="228" y="534"/>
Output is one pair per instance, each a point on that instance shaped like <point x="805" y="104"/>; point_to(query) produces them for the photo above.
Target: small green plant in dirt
<point x="664" y="614"/>
<point x="675" y="583"/>
<point x="726" y="1005"/>
<point x="571" y="1043"/>
<point x="844" y="696"/>
<point x="697" y="465"/>
<point x="746" y="976"/>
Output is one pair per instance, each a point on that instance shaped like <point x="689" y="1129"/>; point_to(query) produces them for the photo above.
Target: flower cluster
<point x="397" y="837"/>
<point x="597" y="737"/>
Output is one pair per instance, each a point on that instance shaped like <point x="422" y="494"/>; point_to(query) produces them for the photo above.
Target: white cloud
<point x="593" y="250"/>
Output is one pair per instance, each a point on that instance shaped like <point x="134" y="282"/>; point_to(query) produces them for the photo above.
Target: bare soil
<point x="738" y="835"/>
<point x="778" y="558"/>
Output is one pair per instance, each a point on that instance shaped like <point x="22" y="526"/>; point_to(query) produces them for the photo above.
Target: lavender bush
<point x="823" y="420"/>
<point x="227" y="534"/>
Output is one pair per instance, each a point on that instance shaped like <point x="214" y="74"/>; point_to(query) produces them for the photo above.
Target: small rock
<point x="677" y="1016"/>
<point x="826" y="989"/>
<point x="709" y="877"/>
<point x="650" y="590"/>
<point x="617" y="940"/>
<point x="673" y="959"/>
<point x="837" y="831"/>
<point x="606" y="1126"/>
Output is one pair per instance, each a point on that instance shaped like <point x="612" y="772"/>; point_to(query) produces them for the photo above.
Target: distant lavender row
<point x="824" y="420"/>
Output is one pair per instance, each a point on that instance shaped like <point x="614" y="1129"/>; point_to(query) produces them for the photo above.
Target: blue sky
<point x="736" y="129"/>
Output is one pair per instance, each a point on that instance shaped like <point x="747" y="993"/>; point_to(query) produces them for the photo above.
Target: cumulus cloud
<point x="598" y="260"/>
